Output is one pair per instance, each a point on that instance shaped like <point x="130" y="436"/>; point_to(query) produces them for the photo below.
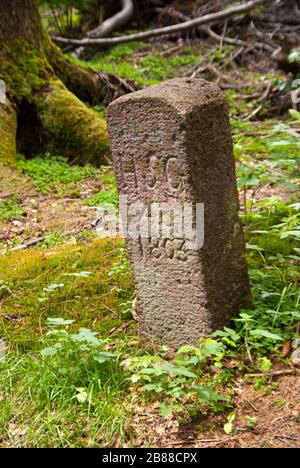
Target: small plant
<point x="108" y="196"/>
<point x="4" y="289"/>
<point x="73" y="383"/>
<point x="179" y="382"/>
<point x="265" y="364"/>
<point x="119" y="268"/>
<point x="251" y="421"/>
<point x="229" y="425"/>
<point x="82" y="349"/>
<point x="106" y="199"/>
<point x="52" y="240"/>
<point x="10" y="208"/>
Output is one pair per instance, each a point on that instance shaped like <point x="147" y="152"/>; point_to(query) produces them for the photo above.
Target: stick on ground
<point x="168" y="30"/>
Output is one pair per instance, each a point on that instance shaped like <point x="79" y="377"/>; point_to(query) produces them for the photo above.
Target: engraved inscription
<point x="168" y="170"/>
<point x="173" y="177"/>
<point x="152" y="178"/>
<point x="170" y="248"/>
<point x="129" y="172"/>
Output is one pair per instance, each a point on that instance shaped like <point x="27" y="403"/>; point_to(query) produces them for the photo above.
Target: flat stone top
<point x="183" y="94"/>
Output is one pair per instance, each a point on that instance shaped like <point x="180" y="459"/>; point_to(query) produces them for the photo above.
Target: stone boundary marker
<point x="172" y="144"/>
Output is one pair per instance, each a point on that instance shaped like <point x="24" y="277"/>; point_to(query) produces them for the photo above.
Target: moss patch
<point x="24" y="69"/>
<point x="76" y="129"/>
<point x="149" y="69"/>
<point x="97" y="296"/>
<point x="8" y="130"/>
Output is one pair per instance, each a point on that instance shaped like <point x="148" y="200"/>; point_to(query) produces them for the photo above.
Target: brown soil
<point x="44" y="214"/>
<point x="277" y="421"/>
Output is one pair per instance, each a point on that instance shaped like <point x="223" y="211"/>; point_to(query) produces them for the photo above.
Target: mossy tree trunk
<point x="44" y="109"/>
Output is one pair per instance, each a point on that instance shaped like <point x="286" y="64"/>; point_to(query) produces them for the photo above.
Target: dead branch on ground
<point x="168" y="30"/>
<point x="114" y="22"/>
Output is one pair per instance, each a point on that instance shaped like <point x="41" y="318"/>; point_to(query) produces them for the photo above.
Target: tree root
<point x="45" y="92"/>
<point x="71" y="127"/>
<point x="87" y="84"/>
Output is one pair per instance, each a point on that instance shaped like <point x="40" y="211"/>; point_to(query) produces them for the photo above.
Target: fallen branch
<point x="114" y="22"/>
<point x="222" y="81"/>
<point x="26" y="245"/>
<point x="275" y="373"/>
<point x="168" y="30"/>
<point x="252" y="114"/>
<point x="238" y="42"/>
<point x="38" y="240"/>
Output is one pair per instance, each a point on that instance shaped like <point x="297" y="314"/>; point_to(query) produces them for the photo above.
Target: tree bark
<point x="44" y="91"/>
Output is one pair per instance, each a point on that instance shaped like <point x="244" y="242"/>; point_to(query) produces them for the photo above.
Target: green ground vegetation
<point x="53" y="174"/>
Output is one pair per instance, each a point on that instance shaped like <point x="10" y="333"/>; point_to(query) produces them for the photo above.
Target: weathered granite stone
<point x="172" y="143"/>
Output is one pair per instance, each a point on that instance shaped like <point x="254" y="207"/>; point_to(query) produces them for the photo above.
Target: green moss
<point x="24" y="69"/>
<point x="8" y="130"/>
<point x="149" y="69"/>
<point x="96" y="296"/>
<point x="109" y="192"/>
<point x="77" y="131"/>
<point x="271" y="244"/>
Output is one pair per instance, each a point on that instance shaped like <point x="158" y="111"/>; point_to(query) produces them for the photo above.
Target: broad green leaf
<point x="165" y="410"/>
<point x="212" y="348"/>
<point x="53" y="287"/>
<point x="209" y="395"/>
<point x="286" y="234"/>
<point x="228" y="332"/>
<point x="228" y="427"/>
<point x="293" y="112"/>
<point x="49" y="351"/>
<point x="182" y="371"/>
<point x="135" y="378"/>
<point x="265" y="334"/>
<point x="82" y="395"/>
<point x="188" y="349"/>
<point x="85" y="334"/>
<point x="103" y="356"/>
<point x="59" y="321"/>
<point x="154" y="387"/>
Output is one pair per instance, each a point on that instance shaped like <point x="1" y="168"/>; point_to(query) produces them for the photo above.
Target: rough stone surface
<point x="172" y="142"/>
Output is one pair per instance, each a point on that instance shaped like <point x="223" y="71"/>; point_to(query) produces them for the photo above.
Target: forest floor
<point x="51" y="392"/>
<point x="29" y="211"/>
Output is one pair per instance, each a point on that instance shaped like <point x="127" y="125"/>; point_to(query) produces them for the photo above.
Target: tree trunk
<point x="43" y="110"/>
